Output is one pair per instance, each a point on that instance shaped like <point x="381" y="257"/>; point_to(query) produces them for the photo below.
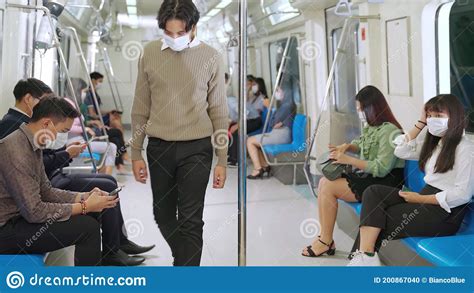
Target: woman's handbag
<point x="332" y="171"/>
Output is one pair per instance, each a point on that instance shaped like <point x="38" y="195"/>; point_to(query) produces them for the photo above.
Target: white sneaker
<point x="360" y="259"/>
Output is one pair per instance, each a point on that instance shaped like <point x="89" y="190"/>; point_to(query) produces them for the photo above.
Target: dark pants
<point x="111" y="219"/>
<point x="179" y="173"/>
<point x="18" y="236"/>
<point x="252" y="125"/>
<point x="116" y="137"/>
<point x="382" y="207"/>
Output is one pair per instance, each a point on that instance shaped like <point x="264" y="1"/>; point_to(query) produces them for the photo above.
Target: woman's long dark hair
<point x="456" y="125"/>
<point x="375" y="106"/>
<point x="262" y="88"/>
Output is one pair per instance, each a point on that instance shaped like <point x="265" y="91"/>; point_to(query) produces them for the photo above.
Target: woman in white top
<point x="447" y="157"/>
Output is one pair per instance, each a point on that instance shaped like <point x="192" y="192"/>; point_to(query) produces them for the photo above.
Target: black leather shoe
<point x="132" y="248"/>
<point x="121" y="259"/>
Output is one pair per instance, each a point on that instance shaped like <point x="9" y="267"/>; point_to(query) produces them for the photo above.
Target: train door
<point x="344" y="123"/>
<point x="455" y="61"/>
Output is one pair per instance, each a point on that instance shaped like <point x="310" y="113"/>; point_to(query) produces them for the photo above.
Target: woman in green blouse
<point x="376" y="164"/>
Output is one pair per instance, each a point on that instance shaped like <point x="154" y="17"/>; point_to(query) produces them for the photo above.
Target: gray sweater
<point x="180" y="96"/>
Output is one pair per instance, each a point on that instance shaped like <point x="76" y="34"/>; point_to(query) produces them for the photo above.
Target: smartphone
<point x="115" y="192"/>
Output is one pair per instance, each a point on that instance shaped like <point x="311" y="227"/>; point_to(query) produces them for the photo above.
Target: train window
<point x="290" y="81"/>
<point x="280" y="11"/>
<point x="454" y="49"/>
<point x="345" y="86"/>
<point x="77" y="8"/>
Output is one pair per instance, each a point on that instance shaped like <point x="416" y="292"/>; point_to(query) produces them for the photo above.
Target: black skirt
<point x="358" y="182"/>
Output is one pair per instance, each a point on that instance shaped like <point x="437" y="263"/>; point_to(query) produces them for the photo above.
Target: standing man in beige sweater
<point x="180" y="104"/>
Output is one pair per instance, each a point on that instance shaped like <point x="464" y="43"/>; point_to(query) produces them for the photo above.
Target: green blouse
<point x="377" y="148"/>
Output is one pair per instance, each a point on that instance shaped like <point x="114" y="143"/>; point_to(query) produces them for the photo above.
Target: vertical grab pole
<point x="107" y="73"/>
<point x="329" y="83"/>
<point x="242" y="206"/>
<point x="89" y="80"/>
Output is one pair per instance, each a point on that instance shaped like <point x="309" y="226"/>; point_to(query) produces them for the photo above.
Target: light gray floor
<point x="281" y="221"/>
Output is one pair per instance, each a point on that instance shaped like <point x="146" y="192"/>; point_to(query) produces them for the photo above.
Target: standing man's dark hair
<point x="184" y="10"/>
<point x="96" y="75"/>
<point x="35" y="87"/>
<point x="54" y="108"/>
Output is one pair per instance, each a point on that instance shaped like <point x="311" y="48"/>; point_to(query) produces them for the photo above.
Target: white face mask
<point x="362" y="117"/>
<point x="255" y="89"/>
<point x="60" y="141"/>
<point x="437" y="126"/>
<point x="98" y="86"/>
<point x="178" y="44"/>
<point x="279" y="95"/>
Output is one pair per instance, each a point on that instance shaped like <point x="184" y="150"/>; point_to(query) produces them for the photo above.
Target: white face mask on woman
<point x="437" y="126"/>
<point x="255" y="89"/>
<point x="178" y="44"/>
<point x="362" y="117"/>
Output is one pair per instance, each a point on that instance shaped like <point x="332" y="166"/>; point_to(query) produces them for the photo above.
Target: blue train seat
<point x="86" y="155"/>
<point x="299" y="139"/>
<point x="414" y="177"/>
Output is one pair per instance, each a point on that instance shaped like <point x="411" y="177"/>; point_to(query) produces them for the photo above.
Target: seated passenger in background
<point x="112" y="118"/>
<point x="77" y="135"/>
<point x="29" y="203"/>
<point x="232" y="102"/>
<point x="376" y="164"/>
<point x="255" y="108"/>
<point x="28" y="93"/>
<point x="281" y="123"/>
<point x="446" y="156"/>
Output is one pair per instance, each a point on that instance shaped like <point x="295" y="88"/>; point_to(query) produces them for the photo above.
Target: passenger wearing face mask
<point x="445" y="154"/>
<point x="375" y="164"/>
<point x="255" y="107"/>
<point x="180" y="104"/>
<point x="113" y="152"/>
<point x="28" y="93"/>
<point x="112" y="119"/>
<point x="281" y="123"/>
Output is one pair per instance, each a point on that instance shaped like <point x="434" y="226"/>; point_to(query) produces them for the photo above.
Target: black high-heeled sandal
<point x="267" y="171"/>
<point x="258" y="176"/>
<point x="331" y="251"/>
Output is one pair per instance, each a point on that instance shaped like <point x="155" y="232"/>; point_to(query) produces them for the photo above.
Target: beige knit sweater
<point x="180" y="96"/>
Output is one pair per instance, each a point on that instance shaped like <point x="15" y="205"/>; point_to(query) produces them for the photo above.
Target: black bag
<point x="332" y="171"/>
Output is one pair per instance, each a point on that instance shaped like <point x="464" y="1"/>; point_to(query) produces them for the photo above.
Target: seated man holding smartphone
<point x="30" y="204"/>
<point x="28" y="93"/>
